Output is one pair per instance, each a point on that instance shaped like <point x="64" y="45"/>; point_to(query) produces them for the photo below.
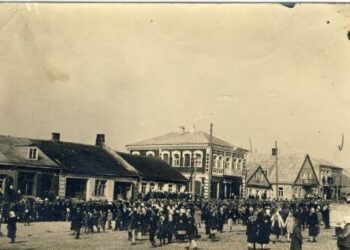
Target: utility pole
<point x="276" y="154"/>
<point x="210" y="165"/>
<point x="194" y="182"/>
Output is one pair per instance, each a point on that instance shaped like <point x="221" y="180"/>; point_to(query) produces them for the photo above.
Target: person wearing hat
<point x="77" y="220"/>
<point x="12" y="226"/>
<point x="251" y="232"/>
<point x="153" y="226"/>
<point x="263" y="227"/>
<point x="296" y="237"/>
<point x="313" y="222"/>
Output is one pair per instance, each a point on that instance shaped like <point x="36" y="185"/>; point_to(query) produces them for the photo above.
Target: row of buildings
<point x="237" y="172"/>
<point x="51" y="168"/>
<point x="181" y="161"/>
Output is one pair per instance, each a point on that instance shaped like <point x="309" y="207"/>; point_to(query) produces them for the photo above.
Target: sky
<point x="262" y="72"/>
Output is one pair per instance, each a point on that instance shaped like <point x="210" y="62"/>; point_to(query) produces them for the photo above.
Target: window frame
<point x="33" y="153"/>
<point x="281" y="191"/>
<point x="176" y="162"/>
<point x="198" y="161"/>
<point x="100" y="188"/>
<point x="166" y="153"/>
<point x="150" y="153"/>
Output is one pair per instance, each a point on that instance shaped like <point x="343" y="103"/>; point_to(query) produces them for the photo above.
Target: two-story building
<point x="190" y="152"/>
<point x="330" y="177"/>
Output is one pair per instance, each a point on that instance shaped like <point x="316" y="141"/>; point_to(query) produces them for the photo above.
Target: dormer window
<point x="33" y="153"/>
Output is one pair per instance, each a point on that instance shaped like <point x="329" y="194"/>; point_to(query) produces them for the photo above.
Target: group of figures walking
<point x="165" y="221"/>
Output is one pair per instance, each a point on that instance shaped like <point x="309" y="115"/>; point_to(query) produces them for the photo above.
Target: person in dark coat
<point x="264" y="228"/>
<point x="153" y="226"/>
<point x="191" y="231"/>
<point x="181" y="225"/>
<point x="77" y="220"/>
<point x="343" y="240"/>
<point x="251" y="232"/>
<point x="312" y="221"/>
<point x="131" y="225"/>
<point x="162" y="226"/>
<point x="213" y="224"/>
<point x="12" y="226"/>
<point x="296" y="238"/>
<point x="325" y="215"/>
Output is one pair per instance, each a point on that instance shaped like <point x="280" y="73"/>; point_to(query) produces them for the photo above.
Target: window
<point x="215" y="162"/>
<point x="150" y="153"/>
<point x="33" y="153"/>
<point x="306" y="175"/>
<point x="280" y="191"/>
<point x="170" y="188"/>
<point x="166" y="157"/>
<point x="228" y="162"/>
<point x="100" y="187"/>
<point x="220" y="161"/>
<point x="151" y="187"/>
<point x="143" y="188"/>
<point x="25" y="183"/>
<point x="198" y="159"/>
<point x="239" y="165"/>
<point x="235" y="163"/>
<point x="176" y="159"/>
<point x="160" y="186"/>
<point x="178" y="188"/>
<point x="265" y="172"/>
<point x="256" y="177"/>
<point x="2" y="182"/>
<point x="187" y="160"/>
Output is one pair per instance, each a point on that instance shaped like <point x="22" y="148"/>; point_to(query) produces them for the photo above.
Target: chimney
<point x="56" y="136"/>
<point x="182" y="129"/>
<point x="193" y="129"/>
<point x="100" y="140"/>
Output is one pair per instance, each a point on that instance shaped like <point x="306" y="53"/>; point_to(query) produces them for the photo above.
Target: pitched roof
<point x="153" y="168"/>
<point x="318" y="163"/>
<point x="254" y="170"/>
<point x="185" y="138"/>
<point x="14" y="150"/>
<point x="83" y="159"/>
<point x="289" y="166"/>
<point x="67" y="156"/>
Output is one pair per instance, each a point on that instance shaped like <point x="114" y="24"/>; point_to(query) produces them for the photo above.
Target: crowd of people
<point x="178" y="218"/>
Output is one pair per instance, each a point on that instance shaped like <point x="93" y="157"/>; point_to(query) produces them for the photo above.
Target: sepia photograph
<point x="175" y="126"/>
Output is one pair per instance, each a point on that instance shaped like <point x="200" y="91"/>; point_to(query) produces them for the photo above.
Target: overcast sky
<point x="264" y="72"/>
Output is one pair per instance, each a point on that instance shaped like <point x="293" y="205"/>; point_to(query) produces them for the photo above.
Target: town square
<point x="174" y="126"/>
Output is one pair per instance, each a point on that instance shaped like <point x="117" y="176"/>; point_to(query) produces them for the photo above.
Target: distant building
<point x="299" y="175"/>
<point x="329" y="176"/>
<point x="189" y="153"/>
<point x="50" y="168"/>
<point x="258" y="185"/>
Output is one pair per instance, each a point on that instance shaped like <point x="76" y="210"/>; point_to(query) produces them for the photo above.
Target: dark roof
<point x="14" y="151"/>
<point x="83" y="159"/>
<point x="153" y="168"/>
<point x="185" y="138"/>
